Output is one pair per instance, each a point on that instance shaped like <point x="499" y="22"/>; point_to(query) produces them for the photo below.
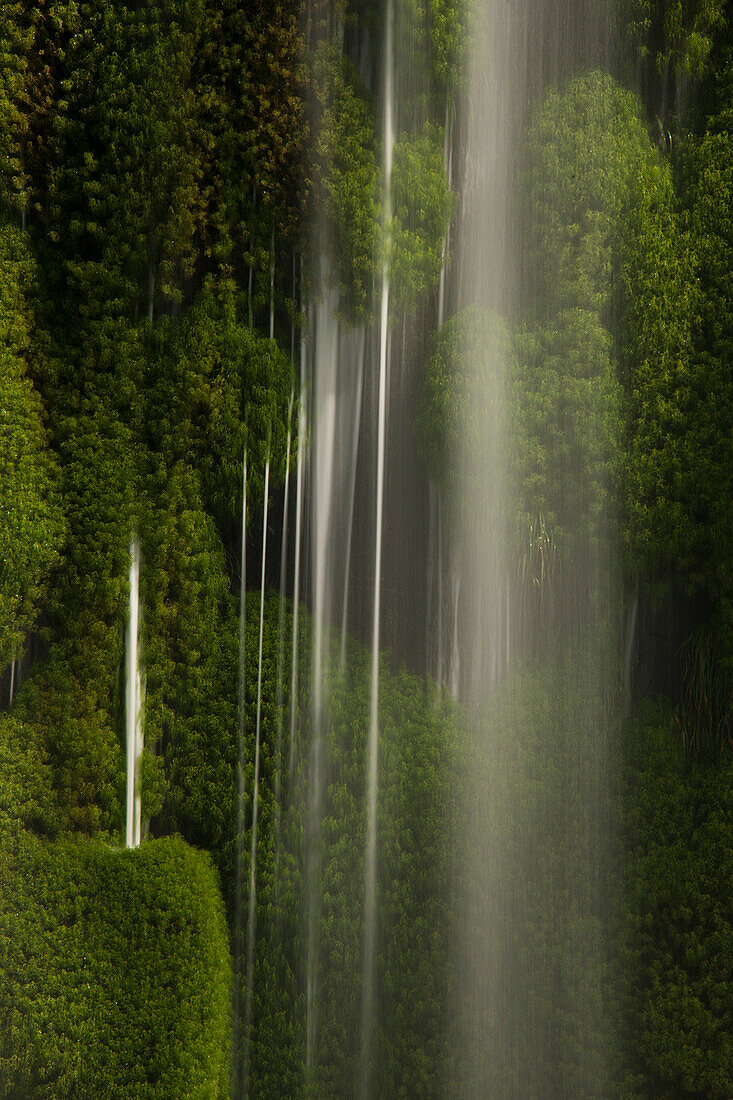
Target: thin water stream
<point x="133" y="704"/>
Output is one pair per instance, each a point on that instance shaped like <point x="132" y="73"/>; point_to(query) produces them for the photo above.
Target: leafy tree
<point x="566" y="402"/>
<point x="563" y="407"/>
<point x="421" y="208"/>
<point x="218" y="387"/>
<point x="45" y="25"/>
<point x="114" y="971"/>
<point x="262" y="140"/>
<point x="706" y="400"/>
<point x="532" y="843"/>
<point x="346" y="160"/>
<point x="448" y="20"/>
<point x="13" y="66"/>
<point x="605" y="217"/>
<point x="126" y="196"/>
<point x="420" y="197"/>
<point x="590" y="161"/>
<point x="674" y="31"/>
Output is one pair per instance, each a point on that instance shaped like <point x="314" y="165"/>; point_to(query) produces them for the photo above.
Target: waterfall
<point x="334" y="391"/>
<point x="370" y="854"/>
<point x="324" y="388"/>
<point x="356" y="423"/>
<point x="12" y="679"/>
<point x="241" y="793"/>
<point x="529" y="929"/>
<point x="454" y="667"/>
<point x="252" y="898"/>
<point x="272" y="285"/>
<point x="302" y="423"/>
<point x="448" y="164"/>
<point x="367" y="561"/>
<point x="133" y="704"/>
<point x="279" y="690"/>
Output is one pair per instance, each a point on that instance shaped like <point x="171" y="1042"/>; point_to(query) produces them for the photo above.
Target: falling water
<point x="241" y="764"/>
<point x="356" y="423"/>
<point x="454" y="667"/>
<point x="281" y="628"/>
<point x="324" y="389"/>
<point x="12" y="679"/>
<point x="302" y="434"/>
<point x="133" y="705"/>
<point x="272" y="285"/>
<point x="448" y="165"/>
<point x="334" y="386"/>
<point x="529" y="937"/>
<point x="252" y="899"/>
<point x="370" y="854"/>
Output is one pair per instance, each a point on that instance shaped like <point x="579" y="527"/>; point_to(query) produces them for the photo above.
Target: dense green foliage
<point x="678" y="919"/>
<point x="420" y="766"/>
<point x="164" y="165"/>
<point x="347" y="159"/>
<point x="675" y="32"/>
<point x="114" y="965"/>
<point x="31" y="519"/>
<point x="421" y="206"/>
<point x="350" y="188"/>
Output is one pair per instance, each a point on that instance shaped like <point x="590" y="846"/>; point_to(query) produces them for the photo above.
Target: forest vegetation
<point x="161" y="164"/>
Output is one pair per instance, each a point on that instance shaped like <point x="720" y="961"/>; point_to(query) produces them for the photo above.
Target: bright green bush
<point x="114" y="972"/>
<point x="27" y="797"/>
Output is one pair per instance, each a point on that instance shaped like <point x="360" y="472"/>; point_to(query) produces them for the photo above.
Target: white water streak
<point x="448" y="166"/>
<point x="272" y="286"/>
<point x="323" y="457"/>
<point x="252" y="900"/>
<point x="454" y="678"/>
<point x="133" y="708"/>
<point x="352" y="494"/>
<point x="281" y="627"/>
<point x="370" y="857"/>
<point x="241" y="715"/>
<point x="302" y="426"/>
